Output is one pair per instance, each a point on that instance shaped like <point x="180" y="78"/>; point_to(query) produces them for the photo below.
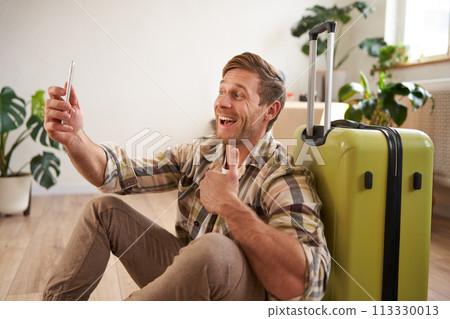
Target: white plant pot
<point x="15" y="194"/>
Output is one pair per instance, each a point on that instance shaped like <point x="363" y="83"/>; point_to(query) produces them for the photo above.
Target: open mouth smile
<point x="226" y="121"/>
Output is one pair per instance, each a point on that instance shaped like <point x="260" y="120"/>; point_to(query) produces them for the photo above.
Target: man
<point x="248" y="220"/>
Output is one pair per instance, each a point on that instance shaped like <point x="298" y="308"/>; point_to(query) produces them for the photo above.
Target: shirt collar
<point x="262" y="151"/>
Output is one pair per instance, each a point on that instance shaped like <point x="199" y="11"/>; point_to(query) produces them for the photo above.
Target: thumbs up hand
<point x="217" y="190"/>
<point x="232" y="154"/>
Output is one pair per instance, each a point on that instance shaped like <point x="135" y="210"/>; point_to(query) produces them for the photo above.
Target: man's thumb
<point x="73" y="100"/>
<point x="232" y="158"/>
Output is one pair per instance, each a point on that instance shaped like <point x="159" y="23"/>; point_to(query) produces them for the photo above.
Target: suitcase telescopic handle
<point x="330" y="27"/>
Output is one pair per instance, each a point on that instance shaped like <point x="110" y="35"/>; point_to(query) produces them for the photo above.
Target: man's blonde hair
<point x="271" y="85"/>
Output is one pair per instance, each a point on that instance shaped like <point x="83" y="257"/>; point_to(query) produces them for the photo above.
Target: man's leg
<point x="108" y="224"/>
<point x="211" y="267"/>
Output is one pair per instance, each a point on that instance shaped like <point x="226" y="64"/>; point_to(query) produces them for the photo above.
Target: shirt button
<point x="196" y="223"/>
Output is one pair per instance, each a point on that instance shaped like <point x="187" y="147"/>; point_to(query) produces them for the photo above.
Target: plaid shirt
<point x="282" y="194"/>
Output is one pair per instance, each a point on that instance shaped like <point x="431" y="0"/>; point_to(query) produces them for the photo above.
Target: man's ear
<point x="272" y="111"/>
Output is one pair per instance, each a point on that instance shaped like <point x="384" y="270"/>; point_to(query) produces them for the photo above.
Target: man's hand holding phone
<point x="88" y="158"/>
<point x="63" y="120"/>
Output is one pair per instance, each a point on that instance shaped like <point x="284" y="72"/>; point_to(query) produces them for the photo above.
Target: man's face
<point x="238" y="113"/>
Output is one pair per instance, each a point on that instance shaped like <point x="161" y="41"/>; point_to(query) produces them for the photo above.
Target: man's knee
<point x="215" y="250"/>
<point x="214" y="243"/>
<point x="104" y="202"/>
<point x="100" y="204"/>
<point x="219" y="261"/>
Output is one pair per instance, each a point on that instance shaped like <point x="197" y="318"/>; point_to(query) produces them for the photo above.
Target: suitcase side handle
<point x="329" y="26"/>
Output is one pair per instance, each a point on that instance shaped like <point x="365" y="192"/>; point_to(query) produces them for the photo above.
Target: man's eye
<point x="238" y="95"/>
<point x="221" y="92"/>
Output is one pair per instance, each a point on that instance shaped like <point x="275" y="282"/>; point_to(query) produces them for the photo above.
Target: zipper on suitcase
<point x="391" y="256"/>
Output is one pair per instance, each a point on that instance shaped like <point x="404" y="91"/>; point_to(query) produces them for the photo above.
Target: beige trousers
<point x="212" y="267"/>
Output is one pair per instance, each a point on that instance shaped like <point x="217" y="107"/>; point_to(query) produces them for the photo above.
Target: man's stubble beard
<point x="245" y="134"/>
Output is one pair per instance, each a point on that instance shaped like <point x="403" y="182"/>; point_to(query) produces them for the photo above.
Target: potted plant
<point x="388" y="55"/>
<point x="384" y="108"/>
<point x="15" y="185"/>
<point x="318" y="15"/>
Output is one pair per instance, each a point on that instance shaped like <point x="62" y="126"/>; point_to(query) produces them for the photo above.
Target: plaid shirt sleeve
<point x="125" y="175"/>
<point x="293" y="206"/>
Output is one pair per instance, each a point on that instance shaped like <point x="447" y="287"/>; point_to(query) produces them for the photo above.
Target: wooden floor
<point x="31" y="246"/>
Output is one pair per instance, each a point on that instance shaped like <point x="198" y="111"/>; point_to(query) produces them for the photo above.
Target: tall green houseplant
<point x="44" y="167"/>
<point x="319" y="14"/>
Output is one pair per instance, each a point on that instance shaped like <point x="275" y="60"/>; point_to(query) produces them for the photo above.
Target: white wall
<point x="356" y="31"/>
<point x="180" y="46"/>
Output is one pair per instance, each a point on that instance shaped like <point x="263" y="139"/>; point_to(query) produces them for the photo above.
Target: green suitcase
<point x="376" y="187"/>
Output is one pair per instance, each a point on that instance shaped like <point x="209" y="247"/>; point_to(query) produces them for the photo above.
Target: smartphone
<point x="69" y="84"/>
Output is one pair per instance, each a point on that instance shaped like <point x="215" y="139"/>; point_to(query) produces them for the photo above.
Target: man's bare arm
<point x="88" y="158"/>
<point x="278" y="260"/>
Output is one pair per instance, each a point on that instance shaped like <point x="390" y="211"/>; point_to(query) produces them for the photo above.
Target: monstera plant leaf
<point x="353" y="113"/>
<point x="35" y="123"/>
<point x="12" y="110"/>
<point x="38" y="104"/>
<point x="388" y="105"/>
<point x="416" y="94"/>
<point x="44" y="168"/>
<point x="419" y="96"/>
<point x="350" y="89"/>
<point x="373" y="46"/>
